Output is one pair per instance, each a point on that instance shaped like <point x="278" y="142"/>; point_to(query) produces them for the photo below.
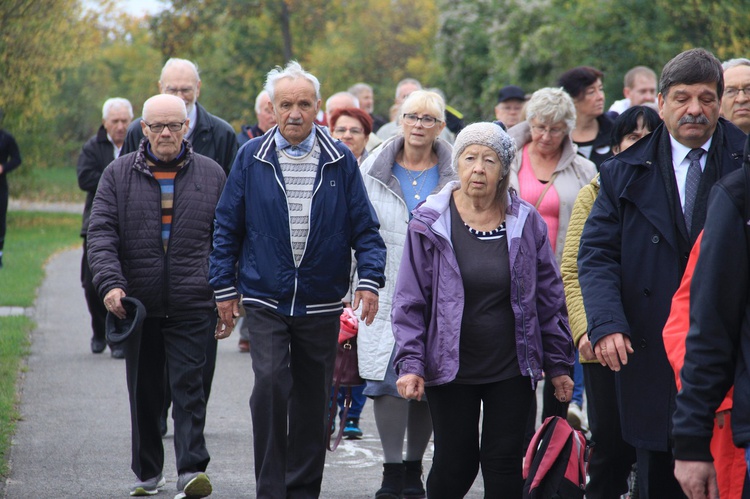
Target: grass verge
<point x="46" y="184"/>
<point x="14" y="346"/>
<point x="31" y="239"/>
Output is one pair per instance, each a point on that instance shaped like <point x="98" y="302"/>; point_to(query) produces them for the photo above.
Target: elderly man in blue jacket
<point x="635" y="246"/>
<point x="293" y="209"/>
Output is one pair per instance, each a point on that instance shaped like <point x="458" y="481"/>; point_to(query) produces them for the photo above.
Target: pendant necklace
<point x="415" y="181"/>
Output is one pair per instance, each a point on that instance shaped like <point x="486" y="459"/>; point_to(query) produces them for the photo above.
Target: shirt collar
<point x="116" y="149"/>
<point x="193" y="117"/>
<point x="301" y="149"/>
<point x="680" y="151"/>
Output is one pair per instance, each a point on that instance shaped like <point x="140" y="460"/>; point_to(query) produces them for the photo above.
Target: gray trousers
<point x="293" y="360"/>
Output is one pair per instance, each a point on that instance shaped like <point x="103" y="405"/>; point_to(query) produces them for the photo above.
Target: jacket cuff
<point x="692" y="448"/>
<point x="368" y="285"/>
<point x="226" y="294"/>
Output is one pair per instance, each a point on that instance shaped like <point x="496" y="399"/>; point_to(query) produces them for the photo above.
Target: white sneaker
<point x="148" y="487"/>
<point x="576" y="419"/>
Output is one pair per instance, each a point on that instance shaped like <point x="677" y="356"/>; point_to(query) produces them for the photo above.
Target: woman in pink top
<point x="548" y="173"/>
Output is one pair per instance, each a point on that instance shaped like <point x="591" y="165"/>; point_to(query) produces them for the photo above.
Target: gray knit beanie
<point x="486" y="134"/>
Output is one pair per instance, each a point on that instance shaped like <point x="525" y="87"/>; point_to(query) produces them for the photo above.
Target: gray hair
<point x="292" y="70"/>
<point x="630" y="76"/>
<point x="116" y="102"/>
<point x="263" y="93"/>
<point x="426" y="101"/>
<point x="733" y="63"/>
<point x="405" y="81"/>
<point x="690" y="68"/>
<point x="173" y="61"/>
<point x="552" y="105"/>
<point x="353" y="97"/>
<point x="358" y="88"/>
<point x="489" y="135"/>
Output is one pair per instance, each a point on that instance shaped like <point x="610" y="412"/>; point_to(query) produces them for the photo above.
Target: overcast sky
<point x="134" y="7"/>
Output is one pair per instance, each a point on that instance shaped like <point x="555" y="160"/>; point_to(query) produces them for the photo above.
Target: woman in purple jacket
<point x="478" y="314"/>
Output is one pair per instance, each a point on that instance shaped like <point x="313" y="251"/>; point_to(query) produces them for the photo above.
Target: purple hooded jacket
<point x="429" y="299"/>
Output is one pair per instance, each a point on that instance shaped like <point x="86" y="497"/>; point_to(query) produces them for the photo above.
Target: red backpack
<point x="556" y="461"/>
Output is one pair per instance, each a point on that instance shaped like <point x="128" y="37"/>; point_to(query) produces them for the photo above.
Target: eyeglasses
<point x="340" y="130"/>
<point x="158" y="127"/>
<point x="427" y="120"/>
<point x="175" y="91"/>
<point x="553" y="132"/>
<point x="733" y="92"/>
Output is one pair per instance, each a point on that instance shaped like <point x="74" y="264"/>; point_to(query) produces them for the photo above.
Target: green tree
<point x="39" y="41"/>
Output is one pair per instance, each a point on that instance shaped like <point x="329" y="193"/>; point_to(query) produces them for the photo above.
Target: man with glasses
<point x="208" y="134"/>
<point x="149" y="239"/>
<point x="735" y="104"/>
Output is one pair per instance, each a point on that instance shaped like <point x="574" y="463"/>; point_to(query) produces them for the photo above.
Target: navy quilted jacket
<point x="124" y="234"/>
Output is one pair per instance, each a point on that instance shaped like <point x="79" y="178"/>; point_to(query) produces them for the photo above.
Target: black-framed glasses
<point x="733" y="92"/>
<point x="428" y="121"/>
<point x="159" y="127"/>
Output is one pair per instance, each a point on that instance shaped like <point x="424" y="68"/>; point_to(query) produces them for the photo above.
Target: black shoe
<point x="97" y="345"/>
<point x="117" y="352"/>
<point x="413" y="487"/>
<point x="392" y="486"/>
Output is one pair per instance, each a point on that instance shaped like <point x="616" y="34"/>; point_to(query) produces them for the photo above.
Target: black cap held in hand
<point x="119" y="330"/>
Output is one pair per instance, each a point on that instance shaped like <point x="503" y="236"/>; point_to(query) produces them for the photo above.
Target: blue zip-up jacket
<point x="252" y="231"/>
<point x="429" y="298"/>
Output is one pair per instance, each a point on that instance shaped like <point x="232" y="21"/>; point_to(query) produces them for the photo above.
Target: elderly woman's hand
<point x="411" y="386"/>
<point x="563" y="387"/>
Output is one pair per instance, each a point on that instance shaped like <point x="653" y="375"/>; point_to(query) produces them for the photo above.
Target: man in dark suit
<point x="635" y="246"/>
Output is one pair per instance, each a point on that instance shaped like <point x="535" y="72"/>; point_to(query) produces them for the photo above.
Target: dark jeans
<point x="179" y="344"/>
<point x="97" y="310"/>
<point x="293" y="360"/>
<point x="455" y="411"/>
<point x="612" y="457"/>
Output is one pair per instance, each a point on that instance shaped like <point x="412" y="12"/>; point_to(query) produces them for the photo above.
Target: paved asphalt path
<point x="73" y="439"/>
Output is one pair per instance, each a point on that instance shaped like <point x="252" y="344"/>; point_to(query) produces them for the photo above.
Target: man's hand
<point x="585" y="348"/>
<point x="369" y="302"/>
<point x="410" y="386"/>
<point x="228" y="311"/>
<point x="612" y="350"/>
<point x="113" y="304"/>
<point x="697" y="479"/>
<point x="563" y="388"/>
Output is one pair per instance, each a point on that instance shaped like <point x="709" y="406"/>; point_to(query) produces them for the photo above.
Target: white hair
<point x="258" y="99"/>
<point x="175" y="61"/>
<point x="342" y="94"/>
<point x="552" y="105"/>
<point x="116" y="102"/>
<point x="292" y="70"/>
<point x="733" y="63"/>
<point x="358" y="88"/>
<point x="405" y="81"/>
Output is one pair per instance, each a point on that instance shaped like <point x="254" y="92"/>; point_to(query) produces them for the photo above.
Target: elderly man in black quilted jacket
<point x="149" y="238"/>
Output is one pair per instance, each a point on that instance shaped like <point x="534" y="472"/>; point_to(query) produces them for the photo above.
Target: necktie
<point x="691" y="184"/>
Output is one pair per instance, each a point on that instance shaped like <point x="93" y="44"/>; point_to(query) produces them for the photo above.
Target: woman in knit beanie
<point x="478" y="313"/>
